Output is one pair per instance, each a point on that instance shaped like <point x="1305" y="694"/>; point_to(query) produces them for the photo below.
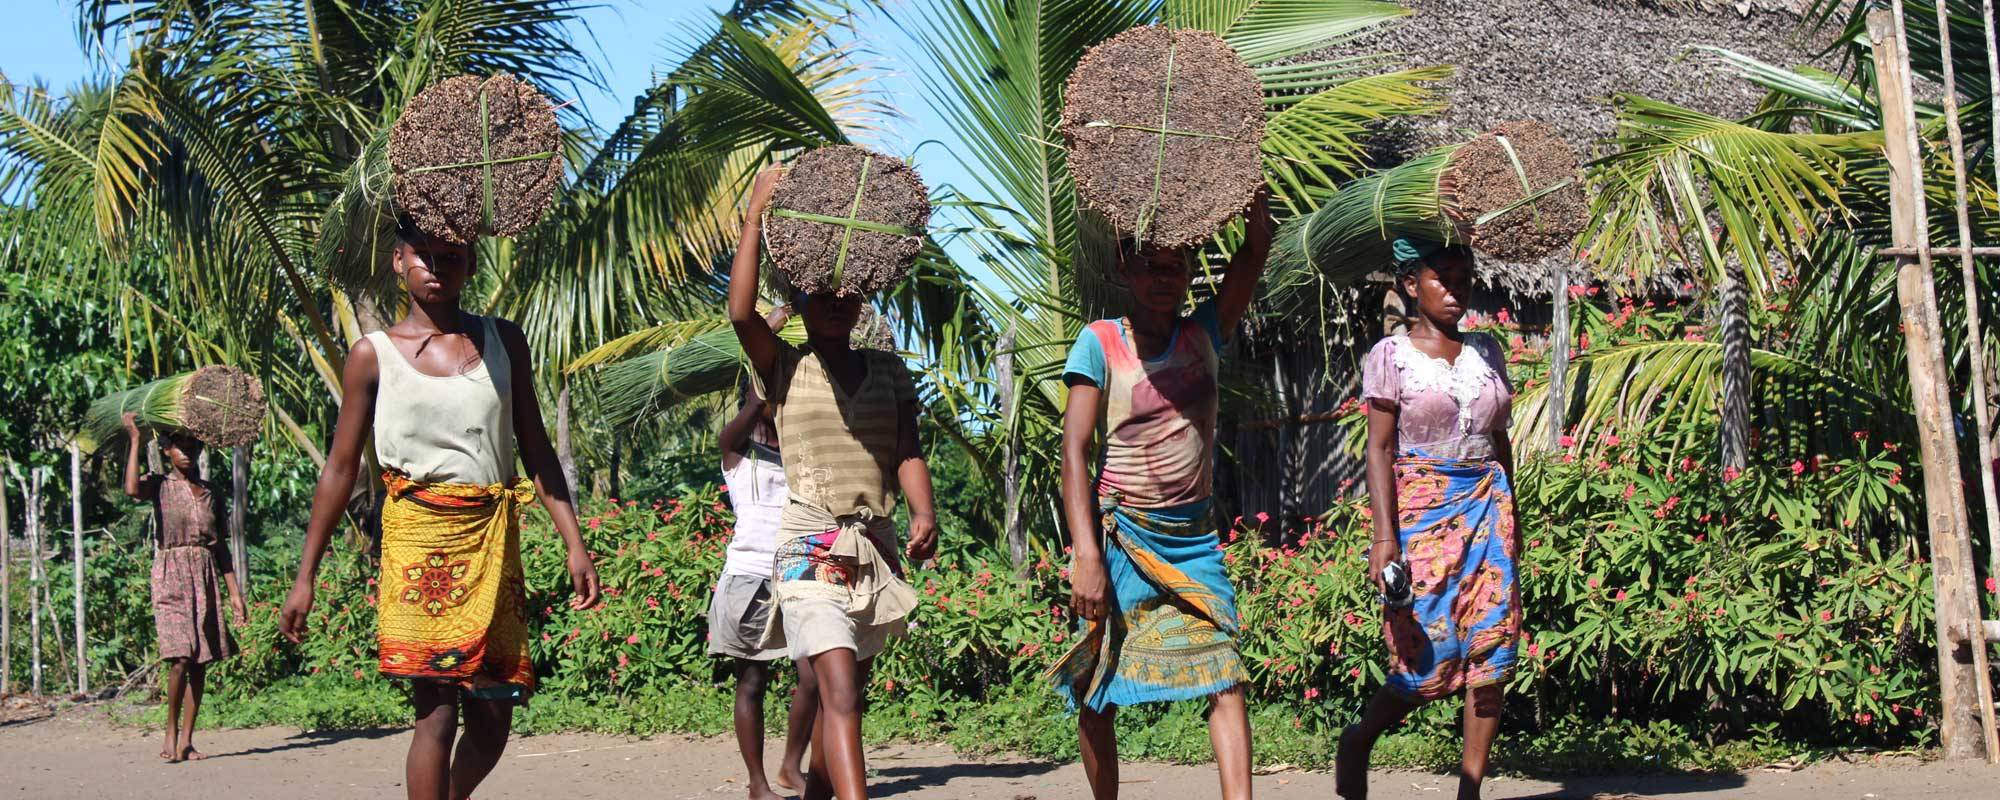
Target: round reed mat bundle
<point x="1163" y="127"/>
<point x="476" y="156"/>
<point x="846" y="220"/>
<point x="1512" y="193"/>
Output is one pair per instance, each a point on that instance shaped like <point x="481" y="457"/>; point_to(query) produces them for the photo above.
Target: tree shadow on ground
<point x="311" y="739"/>
<point x="912" y="778"/>
<point x="1626" y="787"/>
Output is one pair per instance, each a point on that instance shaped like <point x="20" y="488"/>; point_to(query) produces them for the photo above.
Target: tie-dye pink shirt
<point x="1439" y="402"/>
<point x="1158" y="415"/>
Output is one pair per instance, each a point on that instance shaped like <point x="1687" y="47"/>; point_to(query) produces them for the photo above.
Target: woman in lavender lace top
<point x="1439" y="477"/>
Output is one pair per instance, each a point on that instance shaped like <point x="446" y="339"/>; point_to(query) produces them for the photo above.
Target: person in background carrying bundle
<point x="741" y="608"/>
<point x="449" y="398"/>
<point x="1147" y="578"/>
<point x="847" y="432"/>
<point x="187" y="604"/>
<point x="1440" y="470"/>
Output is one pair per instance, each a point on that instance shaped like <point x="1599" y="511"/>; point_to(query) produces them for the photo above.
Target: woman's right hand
<point x="298" y="606"/>
<point x="761" y="189"/>
<point x="131" y="421"/>
<point x="1381" y="554"/>
<point x="1089" y="588"/>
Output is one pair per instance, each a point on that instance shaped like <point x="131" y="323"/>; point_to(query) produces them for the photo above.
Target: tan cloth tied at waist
<point x="852" y="571"/>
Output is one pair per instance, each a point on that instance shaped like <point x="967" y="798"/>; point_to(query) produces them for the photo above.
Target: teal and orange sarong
<point x="451" y="599"/>
<point x="1455" y="518"/>
<point x="1171" y="634"/>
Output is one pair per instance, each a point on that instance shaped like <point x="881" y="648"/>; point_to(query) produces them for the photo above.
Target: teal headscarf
<point x="1409" y="251"/>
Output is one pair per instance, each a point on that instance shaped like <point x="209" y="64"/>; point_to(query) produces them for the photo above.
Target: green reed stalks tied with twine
<point x="476" y="156"/>
<point x="710" y="361"/>
<point x="1511" y="193"/>
<point x="220" y="405"/>
<point x="846" y="220"/>
<point x="1164" y="128"/>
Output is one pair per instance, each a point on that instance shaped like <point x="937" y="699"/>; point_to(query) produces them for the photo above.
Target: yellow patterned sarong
<point x="451" y="596"/>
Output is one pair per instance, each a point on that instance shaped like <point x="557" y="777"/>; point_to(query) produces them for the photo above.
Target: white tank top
<point x="757" y="493"/>
<point x="457" y="429"/>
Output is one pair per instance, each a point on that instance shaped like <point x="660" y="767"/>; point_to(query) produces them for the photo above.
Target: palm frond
<point x="1672" y="170"/>
<point x="1649" y="386"/>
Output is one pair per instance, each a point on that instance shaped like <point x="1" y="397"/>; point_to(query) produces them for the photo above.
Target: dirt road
<point x="81" y="754"/>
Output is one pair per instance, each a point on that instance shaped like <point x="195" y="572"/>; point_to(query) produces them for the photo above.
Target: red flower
<point x="1798" y="468"/>
<point x="1620" y="597"/>
<point x="1567" y="440"/>
<point x="1311" y="693"/>
<point x="1992" y="586"/>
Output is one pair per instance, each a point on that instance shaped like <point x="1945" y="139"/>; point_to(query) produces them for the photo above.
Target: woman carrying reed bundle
<point x="1147" y="581"/>
<point x="187" y="613"/>
<point x="1440" y="473"/>
<point x="449" y="398"/>
<point x="847" y="432"/>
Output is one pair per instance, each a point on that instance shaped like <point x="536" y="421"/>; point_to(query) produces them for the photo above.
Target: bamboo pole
<point x="6" y="592"/>
<point x="1976" y="344"/>
<point x="1993" y="103"/>
<point x="77" y="556"/>
<point x="1944" y="496"/>
<point x="239" y="500"/>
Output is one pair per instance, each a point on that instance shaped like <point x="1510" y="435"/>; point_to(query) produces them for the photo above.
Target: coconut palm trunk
<point x="1735" y="427"/>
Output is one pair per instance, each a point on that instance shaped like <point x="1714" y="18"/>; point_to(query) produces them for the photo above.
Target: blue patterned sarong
<point x="1172" y="631"/>
<point x="1455" y="518"/>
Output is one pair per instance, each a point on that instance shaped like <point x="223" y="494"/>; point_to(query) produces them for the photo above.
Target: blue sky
<point x="631" y="41"/>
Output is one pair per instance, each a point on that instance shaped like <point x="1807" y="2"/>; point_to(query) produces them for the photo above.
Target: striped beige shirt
<point x="840" y="450"/>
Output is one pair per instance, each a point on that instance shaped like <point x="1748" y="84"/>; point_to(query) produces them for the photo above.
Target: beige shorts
<point x="814" y="625"/>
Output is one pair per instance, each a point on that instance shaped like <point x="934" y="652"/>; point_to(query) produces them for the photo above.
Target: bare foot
<point x="188" y="753"/>
<point x="1350" y="767"/>
<point x="791" y="780"/>
<point x="764" y="793"/>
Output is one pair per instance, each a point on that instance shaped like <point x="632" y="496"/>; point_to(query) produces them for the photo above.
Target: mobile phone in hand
<point x="1396" y="591"/>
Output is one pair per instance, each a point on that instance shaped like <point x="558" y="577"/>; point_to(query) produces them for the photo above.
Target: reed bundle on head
<point x="476" y="156"/>
<point x="1511" y="193"/>
<point x="846" y="220"/>
<point x="220" y="405"/>
<point x="1164" y="128"/>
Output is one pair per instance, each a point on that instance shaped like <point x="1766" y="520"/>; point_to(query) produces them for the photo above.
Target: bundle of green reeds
<point x="220" y="405"/>
<point x="709" y="361"/>
<point x="1511" y="193"/>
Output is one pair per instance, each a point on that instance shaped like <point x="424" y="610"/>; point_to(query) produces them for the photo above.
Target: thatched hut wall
<point x="1558" y="61"/>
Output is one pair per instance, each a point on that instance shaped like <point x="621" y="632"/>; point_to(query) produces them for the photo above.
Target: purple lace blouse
<point x="1440" y="404"/>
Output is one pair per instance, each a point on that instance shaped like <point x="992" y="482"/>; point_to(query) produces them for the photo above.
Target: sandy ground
<point x="81" y="754"/>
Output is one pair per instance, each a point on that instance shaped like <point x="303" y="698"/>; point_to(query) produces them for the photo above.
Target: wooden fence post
<point x="6" y="593"/>
<point x="77" y="557"/>
<point x="239" y="497"/>
<point x="1961" y="666"/>
<point x="1559" y="358"/>
<point x="34" y="496"/>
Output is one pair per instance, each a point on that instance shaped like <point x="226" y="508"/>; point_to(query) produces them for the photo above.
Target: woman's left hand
<point x="240" y="614"/>
<point x="583" y="579"/>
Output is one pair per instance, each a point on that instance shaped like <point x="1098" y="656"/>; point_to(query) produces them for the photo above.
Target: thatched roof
<point x="1560" y="61"/>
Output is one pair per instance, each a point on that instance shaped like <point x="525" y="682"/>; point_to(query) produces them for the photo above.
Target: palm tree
<point x="1790" y="204"/>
